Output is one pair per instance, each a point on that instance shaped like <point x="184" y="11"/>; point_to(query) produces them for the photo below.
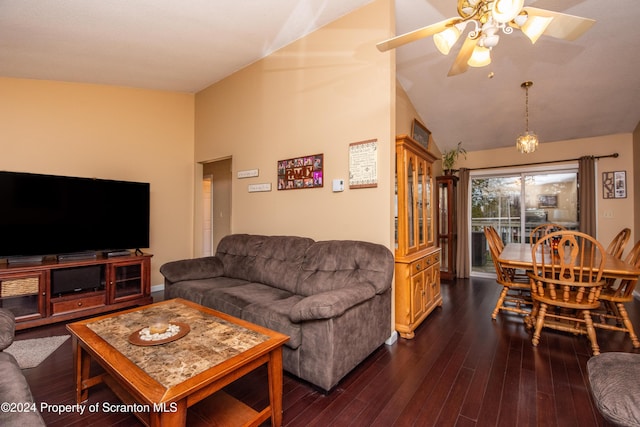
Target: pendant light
<point x="528" y="141"/>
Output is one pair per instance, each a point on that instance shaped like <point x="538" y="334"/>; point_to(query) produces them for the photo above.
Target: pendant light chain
<point x="526" y="109"/>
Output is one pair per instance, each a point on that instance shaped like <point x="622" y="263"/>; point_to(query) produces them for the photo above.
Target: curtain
<point x="462" y="221"/>
<point x="587" y="195"/>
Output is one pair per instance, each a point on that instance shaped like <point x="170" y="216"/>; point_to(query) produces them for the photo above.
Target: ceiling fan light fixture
<point x="489" y="41"/>
<point x="535" y="26"/>
<point x="445" y="40"/>
<point x="488" y="18"/>
<point x="506" y="10"/>
<point x="521" y="19"/>
<point x="480" y="57"/>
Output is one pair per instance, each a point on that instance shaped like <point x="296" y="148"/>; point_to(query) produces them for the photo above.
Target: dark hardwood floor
<point x="462" y="369"/>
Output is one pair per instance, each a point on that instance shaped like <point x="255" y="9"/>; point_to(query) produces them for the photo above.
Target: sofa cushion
<point x="192" y="269"/>
<point x="326" y="305"/>
<point x="7" y="328"/>
<point x="279" y="259"/>
<point x="336" y="264"/>
<point x="15" y="389"/>
<point x="194" y="290"/>
<point x="275" y="316"/>
<point x="273" y="260"/>
<point x="238" y="255"/>
<point x="613" y="378"/>
<point x="233" y="300"/>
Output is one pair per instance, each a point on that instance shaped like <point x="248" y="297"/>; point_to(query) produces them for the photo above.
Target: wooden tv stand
<point x="28" y="289"/>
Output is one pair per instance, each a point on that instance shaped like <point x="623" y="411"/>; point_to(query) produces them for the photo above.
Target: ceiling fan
<point x="488" y="17"/>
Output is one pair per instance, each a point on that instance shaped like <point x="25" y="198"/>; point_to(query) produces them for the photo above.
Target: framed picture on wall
<point x="420" y="133"/>
<point x="547" y="201"/>
<point x="614" y="185"/>
<point x="301" y="172"/>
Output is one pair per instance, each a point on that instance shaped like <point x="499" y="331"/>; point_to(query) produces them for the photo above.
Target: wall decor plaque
<point x="420" y="133"/>
<point x="301" y="172"/>
<point x="363" y="164"/>
<point x="614" y="185"/>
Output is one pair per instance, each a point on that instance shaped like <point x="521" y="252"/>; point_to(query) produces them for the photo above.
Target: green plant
<point x="450" y="157"/>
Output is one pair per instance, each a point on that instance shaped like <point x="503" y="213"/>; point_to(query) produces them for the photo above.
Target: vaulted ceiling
<point x="588" y="87"/>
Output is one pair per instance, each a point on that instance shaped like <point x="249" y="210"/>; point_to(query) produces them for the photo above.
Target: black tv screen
<point x="50" y="215"/>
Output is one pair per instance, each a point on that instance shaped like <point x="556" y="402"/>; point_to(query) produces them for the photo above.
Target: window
<point x="516" y="201"/>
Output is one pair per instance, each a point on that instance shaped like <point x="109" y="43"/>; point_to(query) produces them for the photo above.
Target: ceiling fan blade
<point x="414" y="35"/>
<point x="563" y="26"/>
<point x="460" y="65"/>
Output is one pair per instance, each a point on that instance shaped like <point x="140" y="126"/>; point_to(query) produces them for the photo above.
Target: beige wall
<point x="636" y="181"/>
<point x="111" y="133"/>
<point x="316" y="95"/>
<point x="405" y="114"/>
<point x="613" y="214"/>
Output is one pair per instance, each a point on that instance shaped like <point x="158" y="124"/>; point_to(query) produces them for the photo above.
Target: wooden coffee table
<point x="159" y="382"/>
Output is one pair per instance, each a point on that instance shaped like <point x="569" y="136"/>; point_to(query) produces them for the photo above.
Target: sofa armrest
<point x="330" y="304"/>
<point x="7" y="328"/>
<point x="192" y="269"/>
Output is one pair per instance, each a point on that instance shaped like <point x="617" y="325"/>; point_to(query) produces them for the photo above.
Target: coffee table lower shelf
<point x="219" y="408"/>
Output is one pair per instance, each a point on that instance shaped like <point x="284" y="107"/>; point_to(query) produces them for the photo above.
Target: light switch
<point x="338" y="185"/>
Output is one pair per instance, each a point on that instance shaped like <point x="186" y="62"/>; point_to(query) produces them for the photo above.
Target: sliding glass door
<point x="515" y="202"/>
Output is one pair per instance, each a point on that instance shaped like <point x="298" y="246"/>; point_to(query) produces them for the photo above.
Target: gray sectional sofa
<point x="19" y="407"/>
<point x="332" y="298"/>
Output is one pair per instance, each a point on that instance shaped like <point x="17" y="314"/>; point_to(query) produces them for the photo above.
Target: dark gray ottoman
<point x="615" y="385"/>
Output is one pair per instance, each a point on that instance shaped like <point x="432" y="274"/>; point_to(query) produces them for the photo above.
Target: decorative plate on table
<point x="175" y="331"/>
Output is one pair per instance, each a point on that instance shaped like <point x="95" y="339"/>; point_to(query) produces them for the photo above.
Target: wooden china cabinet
<point x="417" y="259"/>
<point x="447" y="233"/>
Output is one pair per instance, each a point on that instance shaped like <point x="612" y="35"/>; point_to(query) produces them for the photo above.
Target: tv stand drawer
<point x="64" y="305"/>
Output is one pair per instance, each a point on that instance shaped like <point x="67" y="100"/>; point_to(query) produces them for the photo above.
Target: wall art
<point x="363" y="164"/>
<point x="420" y="133"/>
<point x="301" y="172"/>
<point x="614" y="185"/>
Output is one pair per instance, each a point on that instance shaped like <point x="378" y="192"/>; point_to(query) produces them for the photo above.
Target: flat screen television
<point x="52" y="215"/>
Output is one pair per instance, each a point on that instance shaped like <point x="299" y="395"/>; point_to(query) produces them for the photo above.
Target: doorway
<point x="216" y="203"/>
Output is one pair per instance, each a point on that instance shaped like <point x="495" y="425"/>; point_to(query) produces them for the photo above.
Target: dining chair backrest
<point x="622" y="289"/>
<point x="569" y="257"/>
<point x="494" y="243"/>
<point x="544" y="229"/>
<point x="616" y="247"/>
<point x="633" y="257"/>
<point x="492" y="235"/>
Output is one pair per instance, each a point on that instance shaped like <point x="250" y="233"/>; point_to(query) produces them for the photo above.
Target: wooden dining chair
<point x="616" y="247"/>
<point x="495" y="236"/>
<point x="544" y="229"/>
<point x="614" y="295"/>
<point x="515" y="294"/>
<point x="565" y="286"/>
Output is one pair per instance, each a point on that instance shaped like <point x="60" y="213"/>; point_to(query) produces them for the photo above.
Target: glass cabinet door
<point x="414" y="220"/>
<point x="421" y="204"/>
<point x="411" y="202"/>
<point x="126" y="281"/>
<point x="428" y="204"/>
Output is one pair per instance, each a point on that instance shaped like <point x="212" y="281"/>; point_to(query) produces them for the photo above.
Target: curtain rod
<point x="614" y="155"/>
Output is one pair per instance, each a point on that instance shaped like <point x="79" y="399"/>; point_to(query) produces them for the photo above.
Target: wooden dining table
<point x="518" y="255"/>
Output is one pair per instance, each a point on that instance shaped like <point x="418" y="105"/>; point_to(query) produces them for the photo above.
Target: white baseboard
<point x="157" y="288"/>
<point x="392" y="339"/>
